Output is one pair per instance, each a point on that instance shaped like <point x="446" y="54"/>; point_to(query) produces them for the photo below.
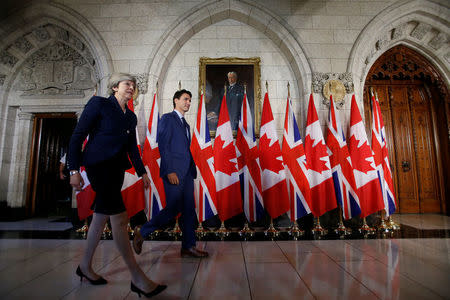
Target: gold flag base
<point x="176" y="231"/>
<point x="201" y="232"/>
<point x="383" y="227"/>
<point x="129" y="229"/>
<point x="222" y="232"/>
<point x="271" y="231"/>
<point x="392" y="225"/>
<point x="83" y="230"/>
<point x="318" y="229"/>
<point x="366" y="229"/>
<point x="342" y="230"/>
<point x="295" y="231"/>
<point x="106" y="232"/>
<point x="246" y="232"/>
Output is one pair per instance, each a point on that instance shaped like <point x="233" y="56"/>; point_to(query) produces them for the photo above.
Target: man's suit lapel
<point x="181" y="126"/>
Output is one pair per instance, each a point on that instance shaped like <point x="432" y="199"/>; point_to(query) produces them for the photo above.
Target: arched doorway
<point x="415" y="106"/>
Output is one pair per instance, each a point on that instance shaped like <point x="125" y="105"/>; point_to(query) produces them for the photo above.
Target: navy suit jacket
<point x="174" y="146"/>
<point x="112" y="134"/>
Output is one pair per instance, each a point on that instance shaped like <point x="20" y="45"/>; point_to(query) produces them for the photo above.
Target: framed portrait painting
<point x="231" y="76"/>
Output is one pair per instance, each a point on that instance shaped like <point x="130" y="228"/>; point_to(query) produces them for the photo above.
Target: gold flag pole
<point x="222" y="232"/>
<point x="341" y="229"/>
<point x="289" y="90"/>
<point x="318" y="229"/>
<point x="106" y="231"/>
<point x="176" y="231"/>
<point x="246" y="231"/>
<point x="272" y="231"/>
<point x="366" y="229"/>
<point x="84" y="230"/>
<point x="295" y="231"/>
<point x="179" y="85"/>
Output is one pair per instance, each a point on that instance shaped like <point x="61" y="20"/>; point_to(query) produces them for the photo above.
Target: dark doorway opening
<point x="48" y="194"/>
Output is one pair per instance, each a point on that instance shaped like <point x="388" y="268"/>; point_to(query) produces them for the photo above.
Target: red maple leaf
<point x="269" y="155"/>
<point x="314" y="155"/>
<point x="223" y="157"/>
<point x="359" y="155"/>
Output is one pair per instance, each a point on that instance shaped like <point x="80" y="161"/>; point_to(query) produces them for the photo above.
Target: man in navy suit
<point x="178" y="172"/>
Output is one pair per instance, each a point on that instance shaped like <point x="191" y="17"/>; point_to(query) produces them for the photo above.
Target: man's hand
<point x="146" y="181"/>
<point x="76" y="181"/>
<point x="173" y="178"/>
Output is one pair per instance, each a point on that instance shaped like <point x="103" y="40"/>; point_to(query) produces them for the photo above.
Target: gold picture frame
<point x="213" y="79"/>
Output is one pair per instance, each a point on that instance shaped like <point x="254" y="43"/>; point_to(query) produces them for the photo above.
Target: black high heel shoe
<point x="156" y="291"/>
<point x="99" y="281"/>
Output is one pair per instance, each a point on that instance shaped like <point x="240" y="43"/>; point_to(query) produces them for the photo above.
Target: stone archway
<point x="40" y="44"/>
<point x="247" y="12"/>
<point x="421" y="25"/>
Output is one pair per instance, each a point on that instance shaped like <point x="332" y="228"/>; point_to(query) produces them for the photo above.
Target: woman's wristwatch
<point x="73" y="172"/>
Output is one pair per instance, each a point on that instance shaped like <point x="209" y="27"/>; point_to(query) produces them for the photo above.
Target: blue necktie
<point x="186" y="127"/>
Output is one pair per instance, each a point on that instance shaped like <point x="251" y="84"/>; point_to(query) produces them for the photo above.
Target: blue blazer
<point x="174" y="146"/>
<point x="112" y="133"/>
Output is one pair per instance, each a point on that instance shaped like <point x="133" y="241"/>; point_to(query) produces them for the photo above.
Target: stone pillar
<point x="20" y="159"/>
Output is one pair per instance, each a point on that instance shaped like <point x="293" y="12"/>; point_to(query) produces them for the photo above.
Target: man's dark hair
<point x="178" y="94"/>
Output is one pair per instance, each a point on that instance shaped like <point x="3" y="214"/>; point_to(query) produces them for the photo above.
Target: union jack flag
<point x="295" y="165"/>
<point x="341" y="166"/>
<point x="202" y="152"/>
<point x="248" y="163"/>
<point x="155" y="197"/>
<point x="381" y="157"/>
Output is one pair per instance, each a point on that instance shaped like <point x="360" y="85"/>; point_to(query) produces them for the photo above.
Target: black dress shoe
<point x="156" y="291"/>
<point x="99" y="281"/>
<point x="138" y="240"/>
<point x="193" y="252"/>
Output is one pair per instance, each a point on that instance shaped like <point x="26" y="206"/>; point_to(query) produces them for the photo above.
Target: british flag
<point x="248" y="163"/>
<point x="86" y="196"/>
<point x="341" y="166"/>
<point x="155" y="198"/>
<point x="202" y="152"/>
<point x="295" y="165"/>
<point x="381" y="156"/>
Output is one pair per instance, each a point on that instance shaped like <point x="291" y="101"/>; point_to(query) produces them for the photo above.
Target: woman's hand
<point x="76" y="181"/>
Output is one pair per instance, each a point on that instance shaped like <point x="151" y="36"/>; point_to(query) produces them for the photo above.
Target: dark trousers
<point x="179" y="198"/>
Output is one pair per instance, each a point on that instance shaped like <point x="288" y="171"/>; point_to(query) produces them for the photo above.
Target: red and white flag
<point x="248" y="163"/>
<point x="229" y="203"/>
<point x="323" y="198"/>
<point x="202" y="152"/>
<point x="133" y="186"/>
<point x="381" y="157"/>
<point x="155" y="197"/>
<point x="274" y="188"/>
<point x="341" y="166"/>
<point x="85" y="197"/>
<point x="366" y="175"/>
<point x="294" y="159"/>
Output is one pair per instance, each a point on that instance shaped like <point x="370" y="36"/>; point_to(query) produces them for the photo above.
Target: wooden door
<point x="50" y="140"/>
<point x="408" y="102"/>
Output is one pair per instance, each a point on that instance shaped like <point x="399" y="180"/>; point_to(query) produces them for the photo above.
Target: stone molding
<point x="248" y="12"/>
<point x="420" y="25"/>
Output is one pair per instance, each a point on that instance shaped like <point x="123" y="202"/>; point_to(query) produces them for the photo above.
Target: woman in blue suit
<point x="111" y="130"/>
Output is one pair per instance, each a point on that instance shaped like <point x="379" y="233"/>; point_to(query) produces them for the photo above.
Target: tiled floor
<point x="416" y="268"/>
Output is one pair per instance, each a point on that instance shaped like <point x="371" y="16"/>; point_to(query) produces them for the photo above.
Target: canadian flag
<point x="155" y="197"/>
<point x="202" y="152"/>
<point x="86" y="196"/>
<point x="228" y="188"/>
<point x="133" y="186"/>
<point x="381" y="157"/>
<point x="294" y="159"/>
<point x="366" y="175"/>
<point x="274" y="188"/>
<point x="341" y="166"/>
<point x="320" y="178"/>
<point x="248" y="163"/>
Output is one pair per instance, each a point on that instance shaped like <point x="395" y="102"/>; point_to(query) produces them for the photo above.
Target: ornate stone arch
<point x="420" y="25"/>
<point x="247" y="12"/>
<point x="35" y="37"/>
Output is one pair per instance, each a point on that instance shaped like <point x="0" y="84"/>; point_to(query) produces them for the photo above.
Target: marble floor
<point x="390" y="268"/>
